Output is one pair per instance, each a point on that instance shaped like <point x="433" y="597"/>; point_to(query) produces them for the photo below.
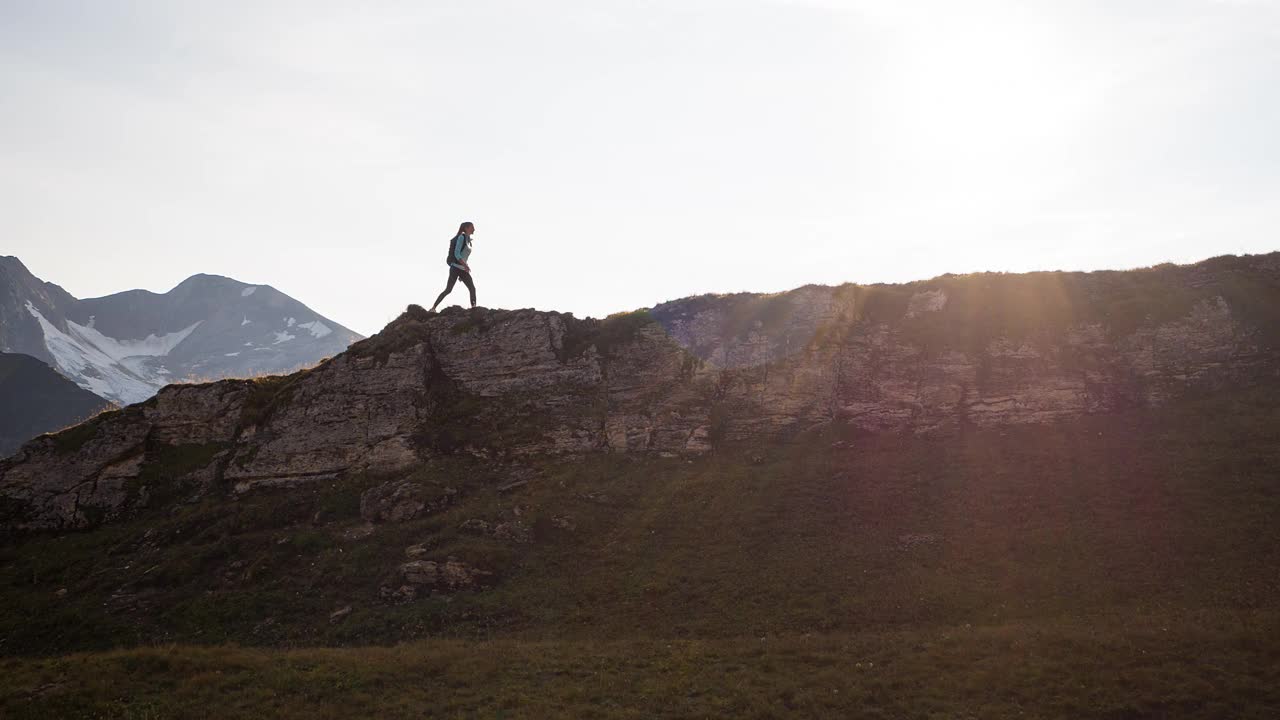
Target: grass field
<point x="1123" y="566"/>
<point x="1107" y="667"/>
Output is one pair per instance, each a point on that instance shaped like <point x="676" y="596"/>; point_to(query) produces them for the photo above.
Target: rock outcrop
<point x="681" y="378"/>
<point x="398" y="501"/>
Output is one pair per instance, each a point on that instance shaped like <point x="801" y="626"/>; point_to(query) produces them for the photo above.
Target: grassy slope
<point x="1113" y="567"/>
<point x="1139" y="668"/>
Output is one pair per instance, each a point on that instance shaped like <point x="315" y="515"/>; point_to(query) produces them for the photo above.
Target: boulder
<point x="446" y="576"/>
<point x="402" y="500"/>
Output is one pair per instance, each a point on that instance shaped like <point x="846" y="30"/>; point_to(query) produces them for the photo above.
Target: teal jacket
<point x="459" y="251"/>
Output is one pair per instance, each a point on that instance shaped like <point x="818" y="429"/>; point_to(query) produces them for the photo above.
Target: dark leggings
<point x="454" y="275"/>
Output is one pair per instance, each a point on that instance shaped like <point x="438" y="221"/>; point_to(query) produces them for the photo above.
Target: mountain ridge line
<point x="679" y="379"/>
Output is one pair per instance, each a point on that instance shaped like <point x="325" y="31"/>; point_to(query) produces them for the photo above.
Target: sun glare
<point x="985" y="103"/>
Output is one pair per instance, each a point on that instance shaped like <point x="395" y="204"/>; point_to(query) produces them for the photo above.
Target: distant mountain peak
<point x="127" y="345"/>
<point x="208" y="280"/>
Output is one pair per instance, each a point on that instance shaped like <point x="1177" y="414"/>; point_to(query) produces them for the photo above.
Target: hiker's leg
<point x="453" y="277"/>
<point x="466" y="280"/>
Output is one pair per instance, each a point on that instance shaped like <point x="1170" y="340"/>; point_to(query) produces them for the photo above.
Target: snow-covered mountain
<point x="124" y="347"/>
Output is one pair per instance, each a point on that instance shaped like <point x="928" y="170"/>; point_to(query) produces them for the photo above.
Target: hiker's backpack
<point x="449" y="257"/>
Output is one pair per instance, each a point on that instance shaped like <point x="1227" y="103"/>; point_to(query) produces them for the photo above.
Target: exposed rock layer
<point x="679" y="379"/>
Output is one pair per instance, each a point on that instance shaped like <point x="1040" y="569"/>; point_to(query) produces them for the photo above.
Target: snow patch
<point x="317" y="328"/>
<point x="283" y="337"/>
<point x="248" y="291"/>
<point x="245" y="321"/>
<point x="150" y="346"/>
<point x="289" y="322"/>
<point x="90" y="367"/>
<point x="234" y="354"/>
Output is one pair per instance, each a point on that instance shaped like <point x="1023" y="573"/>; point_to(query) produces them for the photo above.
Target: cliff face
<point x="681" y="378"/>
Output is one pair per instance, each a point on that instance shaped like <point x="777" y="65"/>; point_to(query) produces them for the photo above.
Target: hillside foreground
<point x="1110" y="567"/>
<point x="729" y="507"/>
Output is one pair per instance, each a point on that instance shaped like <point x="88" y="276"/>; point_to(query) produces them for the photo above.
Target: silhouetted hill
<point x="36" y="400"/>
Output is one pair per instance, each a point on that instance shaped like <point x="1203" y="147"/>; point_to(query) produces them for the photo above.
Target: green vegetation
<point x="619" y="329"/>
<point x="262" y="394"/>
<point x="606" y="335"/>
<point x="403" y="332"/>
<point x="742" y="313"/>
<point x="1201" y="668"/>
<point x="1034" y="307"/>
<point x="1039" y="307"/>
<point x="174" y="461"/>
<point x="267" y="393"/>
<point x="73" y="438"/>
<point x="1250" y="296"/>
<point x="767" y="314"/>
<point x="1118" y="566"/>
<point x="471" y="321"/>
<point x="168" y="464"/>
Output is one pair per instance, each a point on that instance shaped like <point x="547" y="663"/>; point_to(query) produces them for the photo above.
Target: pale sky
<point x="615" y="155"/>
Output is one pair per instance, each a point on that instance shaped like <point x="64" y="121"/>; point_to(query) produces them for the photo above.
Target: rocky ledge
<point x="680" y="378"/>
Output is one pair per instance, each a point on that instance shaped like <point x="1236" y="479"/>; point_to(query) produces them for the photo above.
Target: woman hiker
<point x="459" y="251"/>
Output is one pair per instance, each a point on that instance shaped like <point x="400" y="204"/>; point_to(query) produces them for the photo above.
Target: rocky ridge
<point x="684" y="377"/>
